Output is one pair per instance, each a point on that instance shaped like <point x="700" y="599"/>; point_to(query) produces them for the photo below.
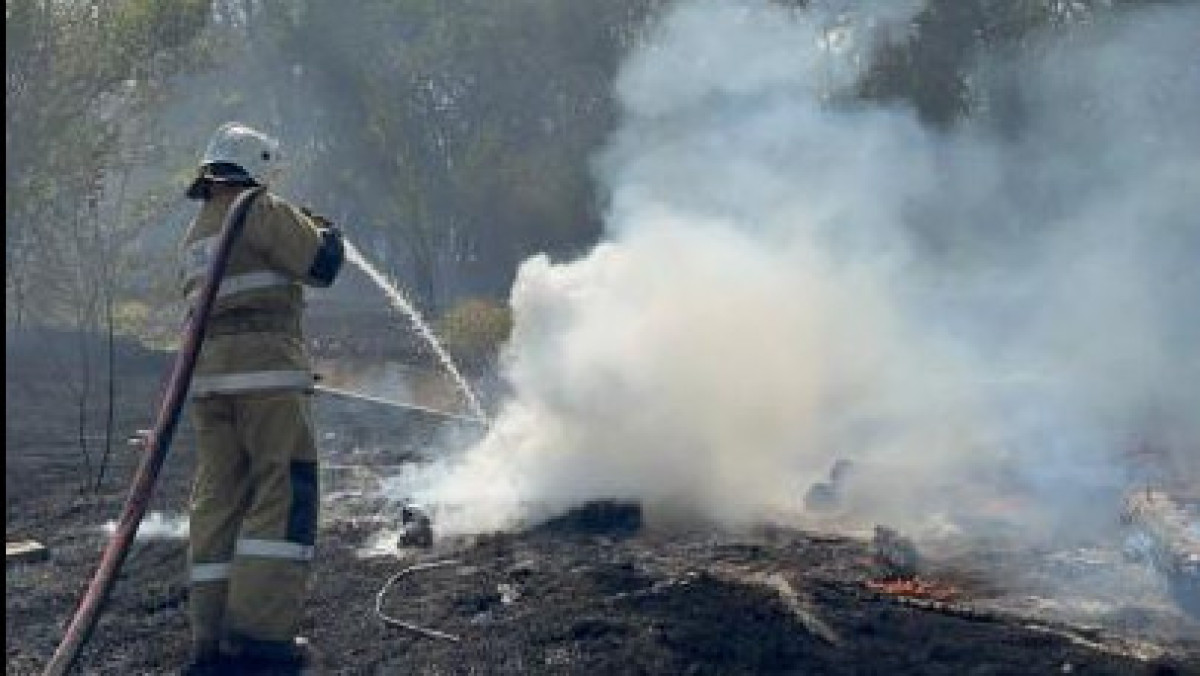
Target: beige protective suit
<point x="256" y="497"/>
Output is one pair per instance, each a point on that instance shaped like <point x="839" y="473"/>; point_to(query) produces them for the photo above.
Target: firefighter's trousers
<point x="254" y="513"/>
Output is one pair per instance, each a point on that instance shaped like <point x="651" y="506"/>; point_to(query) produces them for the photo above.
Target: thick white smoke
<point x="984" y="317"/>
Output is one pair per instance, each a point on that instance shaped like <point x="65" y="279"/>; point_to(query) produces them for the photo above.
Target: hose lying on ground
<point x="408" y="626"/>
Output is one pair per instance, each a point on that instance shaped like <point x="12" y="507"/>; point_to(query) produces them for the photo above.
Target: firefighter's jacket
<point x="254" y="339"/>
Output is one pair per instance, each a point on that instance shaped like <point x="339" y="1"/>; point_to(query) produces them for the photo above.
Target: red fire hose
<point x="157" y="444"/>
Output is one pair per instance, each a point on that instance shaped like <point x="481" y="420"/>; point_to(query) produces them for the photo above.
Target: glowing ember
<point x="914" y="587"/>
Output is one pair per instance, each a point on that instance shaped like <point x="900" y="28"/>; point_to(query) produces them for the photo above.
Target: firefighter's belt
<point x="232" y="323"/>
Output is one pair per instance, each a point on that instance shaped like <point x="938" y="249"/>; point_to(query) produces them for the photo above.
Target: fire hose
<point x="157" y="444"/>
<point x="402" y="624"/>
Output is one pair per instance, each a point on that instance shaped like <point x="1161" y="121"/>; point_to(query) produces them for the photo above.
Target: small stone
<point x="508" y="593"/>
<point x="26" y="551"/>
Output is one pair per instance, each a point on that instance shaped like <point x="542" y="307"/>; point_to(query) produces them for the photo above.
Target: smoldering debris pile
<point x="599" y="517"/>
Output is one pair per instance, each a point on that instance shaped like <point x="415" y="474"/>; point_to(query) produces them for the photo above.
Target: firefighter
<point x="255" y="496"/>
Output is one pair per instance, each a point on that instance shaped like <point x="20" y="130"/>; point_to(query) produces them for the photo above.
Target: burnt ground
<point x="569" y="597"/>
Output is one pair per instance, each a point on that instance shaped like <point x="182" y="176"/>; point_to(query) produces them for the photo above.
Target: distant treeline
<point x="450" y="138"/>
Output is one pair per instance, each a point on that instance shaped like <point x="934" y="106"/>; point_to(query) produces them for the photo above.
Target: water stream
<point x="400" y="302"/>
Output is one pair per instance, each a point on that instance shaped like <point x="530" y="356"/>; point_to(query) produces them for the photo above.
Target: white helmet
<point x="255" y="153"/>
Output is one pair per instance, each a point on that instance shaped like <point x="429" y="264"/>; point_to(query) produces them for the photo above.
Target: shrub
<point x="474" y="330"/>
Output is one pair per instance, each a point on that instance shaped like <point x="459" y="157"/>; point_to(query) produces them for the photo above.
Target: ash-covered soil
<point x="574" y="596"/>
<point x="554" y="600"/>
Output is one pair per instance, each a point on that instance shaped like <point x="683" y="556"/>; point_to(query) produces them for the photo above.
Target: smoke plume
<point x="984" y="321"/>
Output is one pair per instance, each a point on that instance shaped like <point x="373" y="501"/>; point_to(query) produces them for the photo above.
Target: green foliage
<point x="454" y="134"/>
<point x="474" y="331"/>
<point x="930" y="69"/>
<point x="80" y="76"/>
<point x="155" y="26"/>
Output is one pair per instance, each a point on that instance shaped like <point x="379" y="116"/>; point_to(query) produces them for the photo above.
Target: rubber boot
<point x="301" y="658"/>
<point x="206" y="660"/>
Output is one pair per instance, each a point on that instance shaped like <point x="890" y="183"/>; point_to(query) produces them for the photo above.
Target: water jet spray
<point x="356" y="396"/>
<point x="398" y="301"/>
